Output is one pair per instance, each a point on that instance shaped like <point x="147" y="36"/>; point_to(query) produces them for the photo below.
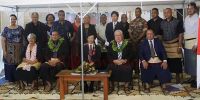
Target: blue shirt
<point x="65" y="29"/>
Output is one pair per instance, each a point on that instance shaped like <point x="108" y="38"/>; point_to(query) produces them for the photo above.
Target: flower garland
<point x="115" y="48"/>
<point x="53" y="47"/>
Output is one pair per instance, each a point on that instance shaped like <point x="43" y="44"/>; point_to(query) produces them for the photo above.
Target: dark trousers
<point x="10" y="72"/>
<point x="48" y="72"/>
<point x="28" y="76"/>
<point x="148" y="75"/>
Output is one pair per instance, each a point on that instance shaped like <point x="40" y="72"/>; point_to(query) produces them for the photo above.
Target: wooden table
<point x="65" y="75"/>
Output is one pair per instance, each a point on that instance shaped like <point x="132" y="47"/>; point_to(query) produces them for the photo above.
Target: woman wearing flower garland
<point x="55" y="56"/>
<point x="28" y="70"/>
<point x="119" y="57"/>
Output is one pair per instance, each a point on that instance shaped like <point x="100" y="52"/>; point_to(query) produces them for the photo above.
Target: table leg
<point x="62" y="94"/>
<point x="66" y="87"/>
<point x="105" y="88"/>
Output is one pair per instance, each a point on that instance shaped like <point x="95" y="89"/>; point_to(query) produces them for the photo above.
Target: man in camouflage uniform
<point x="137" y="29"/>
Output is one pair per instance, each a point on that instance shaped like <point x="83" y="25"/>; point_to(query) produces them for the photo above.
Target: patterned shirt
<point x="171" y="29"/>
<point x="13" y="35"/>
<point x="137" y="27"/>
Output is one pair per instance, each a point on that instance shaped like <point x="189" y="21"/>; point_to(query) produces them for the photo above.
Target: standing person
<point x="125" y="26"/>
<point x="64" y="27"/>
<point x="190" y="40"/>
<point x="13" y="42"/>
<point x="101" y="28"/>
<point x="87" y="28"/>
<point x="173" y="38"/>
<point x="39" y="29"/>
<point x="112" y="26"/>
<point x="75" y="53"/>
<point x="137" y="28"/>
<point x="154" y="23"/>
<point x="50" y="18"/>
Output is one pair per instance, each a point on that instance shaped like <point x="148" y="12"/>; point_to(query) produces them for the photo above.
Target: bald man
<point x="38" y="28"/>
<point x="173" y="37"/>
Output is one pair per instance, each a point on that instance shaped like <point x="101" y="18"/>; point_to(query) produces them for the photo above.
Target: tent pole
<point x="82" y="78"/>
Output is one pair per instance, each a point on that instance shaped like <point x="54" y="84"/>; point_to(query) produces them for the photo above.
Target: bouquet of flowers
<point x="87" y="69"/>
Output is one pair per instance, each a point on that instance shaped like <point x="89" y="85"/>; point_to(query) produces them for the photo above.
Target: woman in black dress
<point x="87" y="28"/>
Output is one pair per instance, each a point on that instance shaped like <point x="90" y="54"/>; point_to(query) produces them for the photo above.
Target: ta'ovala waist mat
<point x="171" y="48"/>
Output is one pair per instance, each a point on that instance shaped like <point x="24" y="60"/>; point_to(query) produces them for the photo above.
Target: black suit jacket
<point x="110" y="32"/>
<point x="40" y="31"/>
<point x="62" y="53"/>
<point x="113" y="55"/>
<point x="95" y="57"/>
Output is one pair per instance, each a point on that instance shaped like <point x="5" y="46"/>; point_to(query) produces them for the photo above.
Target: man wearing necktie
<point x="153" y="61"/>
<point x="118" y="52"/>
<point x="91" y="55"/>
<point x="112" y="26"/>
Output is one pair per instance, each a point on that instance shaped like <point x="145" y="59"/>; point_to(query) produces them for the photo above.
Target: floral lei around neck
<point x="53" y="47"/>
<point x="115" y="48"/>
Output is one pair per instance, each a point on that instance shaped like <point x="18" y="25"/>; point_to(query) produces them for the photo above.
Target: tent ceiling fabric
<point x="43" y="3"/>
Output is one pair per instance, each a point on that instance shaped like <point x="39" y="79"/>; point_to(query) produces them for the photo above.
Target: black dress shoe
<point x="86" y="89"/>
<point x="194" y="84"/>
<point x="91" y="89"/>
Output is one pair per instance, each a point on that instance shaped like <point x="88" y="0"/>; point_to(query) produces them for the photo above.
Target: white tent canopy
<point x="41" y="2"/>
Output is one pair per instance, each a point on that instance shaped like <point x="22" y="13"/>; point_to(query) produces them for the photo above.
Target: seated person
<point x="119" y="54"/>
<point x="55" y="57"/>
<point x="91" y="55"/>
<point x="154" y="63"/>
<point x="27" y="70"/>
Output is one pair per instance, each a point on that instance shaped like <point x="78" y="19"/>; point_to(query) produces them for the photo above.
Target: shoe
<point x="21" y="86"/>
<point x="48" y="87"/>
<point x="86" y="88"/>
<point x="193" y="84"/>
<point x="111" y="90"/>
<point x="146" y="88"/>
<point x="34" y="86"/>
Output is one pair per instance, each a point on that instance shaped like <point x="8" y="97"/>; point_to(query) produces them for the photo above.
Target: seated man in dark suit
<point x="91" y="55"/>
<point x="154" y="63"/>
<point x="119" y="57"/>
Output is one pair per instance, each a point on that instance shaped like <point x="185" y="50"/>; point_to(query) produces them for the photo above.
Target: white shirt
<point x="191" y="24"/>
<point x="91" y="45"/>
<point x="154" y="49"/>
<point x="100" y="28"/>
<point x="114" y="24"/>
